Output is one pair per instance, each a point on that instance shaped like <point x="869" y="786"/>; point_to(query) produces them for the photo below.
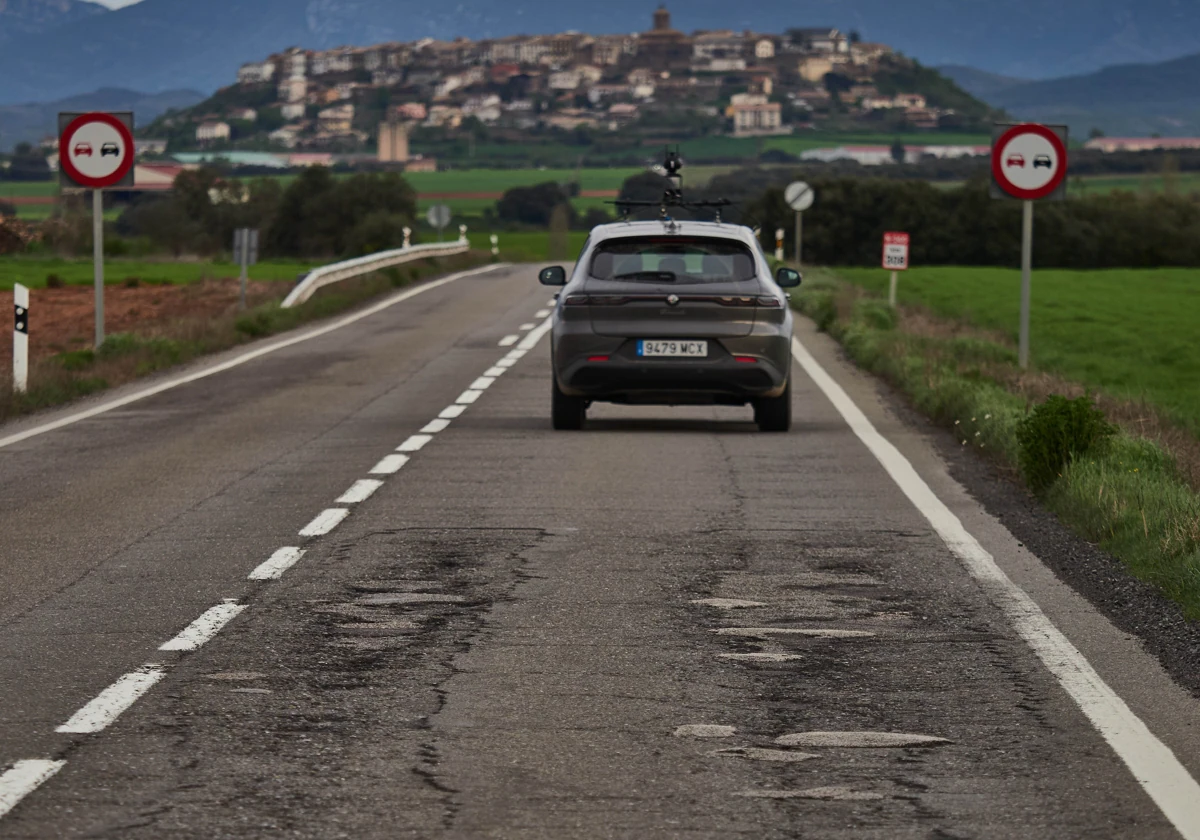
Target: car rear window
<point x="674" y="259"/>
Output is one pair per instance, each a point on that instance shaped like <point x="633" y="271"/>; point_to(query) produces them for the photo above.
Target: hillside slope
<point x="33" y="121"/>
<point x="1130" y="99"/>
<point x="165" y="44"/>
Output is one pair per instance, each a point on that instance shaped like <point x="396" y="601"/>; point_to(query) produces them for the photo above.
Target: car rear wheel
<point x="774" y="414"/>
<point x="566" y="413"/>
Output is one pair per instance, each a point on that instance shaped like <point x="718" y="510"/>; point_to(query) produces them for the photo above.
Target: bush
<point x="377" y="232"/>
<point x="7" y="209"/>
<point x="876" y="314"/>
<point x="1055" y="434"/>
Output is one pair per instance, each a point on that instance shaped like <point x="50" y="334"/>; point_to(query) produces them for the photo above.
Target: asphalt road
<point x="512" y="633"/>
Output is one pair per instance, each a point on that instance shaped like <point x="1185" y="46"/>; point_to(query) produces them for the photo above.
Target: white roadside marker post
<point x="779" y="244"/>
<point x="20" y="338"/>
<point x="495" y="245"/>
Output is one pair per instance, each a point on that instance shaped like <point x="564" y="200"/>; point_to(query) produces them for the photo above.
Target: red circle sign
<point x="1029" y="161"/>
<point x="96" y="150"/>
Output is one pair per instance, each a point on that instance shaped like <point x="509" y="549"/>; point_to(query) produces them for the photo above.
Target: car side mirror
<point x="555" y="275"/>
<point x="788" y="278"/>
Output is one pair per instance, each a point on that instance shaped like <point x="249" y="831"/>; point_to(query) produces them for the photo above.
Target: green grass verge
<point x="528" y="246"/>
<point x="1128" y="496"/>
<point x="1130" y="333"/>
<point x="128" y="356"/>
<point x="34" y="271"/>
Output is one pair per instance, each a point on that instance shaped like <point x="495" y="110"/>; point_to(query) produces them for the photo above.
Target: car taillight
<point x="576" y="300"/>
<point x="596" y="300"/>
<point x="769" y="301"/>
<point x="737" y="301"/>
<point x="597" y="358"/>
<point x="746" y="360"/>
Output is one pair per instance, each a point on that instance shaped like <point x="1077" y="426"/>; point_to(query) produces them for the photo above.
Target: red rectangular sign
<point x="895" y="251"/>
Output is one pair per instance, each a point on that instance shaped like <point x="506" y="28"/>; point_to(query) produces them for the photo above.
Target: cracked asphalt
<point x="506" y="638"/>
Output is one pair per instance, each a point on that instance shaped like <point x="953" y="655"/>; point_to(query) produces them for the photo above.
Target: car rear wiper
<point x="659" y="276"/>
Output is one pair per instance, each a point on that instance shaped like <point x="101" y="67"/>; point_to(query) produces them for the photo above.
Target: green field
<point x="1150" y="182"/>
<point x="1130" y="333"/>
<point x="32" y="272"/>
<point x="527" y="246"/>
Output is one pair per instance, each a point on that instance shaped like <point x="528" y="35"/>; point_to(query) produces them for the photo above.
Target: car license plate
<point x="677" y="349"/>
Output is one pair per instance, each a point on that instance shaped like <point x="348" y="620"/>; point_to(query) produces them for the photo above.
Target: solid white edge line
<point x="278" y="563"/>
<point x="1150" y="761"/>
<point x="325" y="522"/>
<point x="468" y="397"/>
<point x="205" y="627"/>
<point x="390" y="465"/>
<point x="436" y="426"/>
<point x="415" y="443"/>
<point x="526" y="327"/>
<point x="359" y="491"/>
<point x="108" y="705"/>
<point x="509" y="340"/>
<point x="452" y="412"/>
<point x="23" y="778"/>
<point x="240" y="360"/>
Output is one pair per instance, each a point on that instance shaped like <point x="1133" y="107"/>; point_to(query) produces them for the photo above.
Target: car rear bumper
<point x="735" y="372"/>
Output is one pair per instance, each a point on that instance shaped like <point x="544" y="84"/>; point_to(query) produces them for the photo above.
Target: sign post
<point x="96" y="152"/>
<point x="800" y="197"/>
<point x="1029" y="162"/>
<point x="438" y="218"/>
<point x="245" y="254"/>
<point x="20" y="338"/>
<point x="895" y="259"/>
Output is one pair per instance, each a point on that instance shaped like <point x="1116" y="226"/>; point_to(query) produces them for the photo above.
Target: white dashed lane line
<point x="27" y="775"/>
<point x="542" y="313"/>
<point x="415" y="443"/>
<point x="205" y="627"/>
<point x="325" y="522"/>
<point x="108" y="705"/>
<point x="23" y="778"/>
<point x="359" y="491"/>
<point x="279" y="562"/>
<point x="390" y="465"/>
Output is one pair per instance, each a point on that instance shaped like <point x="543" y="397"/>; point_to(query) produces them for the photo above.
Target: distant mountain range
<point x="1125" y="100"/>
<point x="21" y="18"/>
<point x="30" y="123"/>
<point x="159" y="45"/>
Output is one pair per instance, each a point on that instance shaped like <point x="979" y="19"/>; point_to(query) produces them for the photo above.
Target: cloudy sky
<point x="116" y="4"/>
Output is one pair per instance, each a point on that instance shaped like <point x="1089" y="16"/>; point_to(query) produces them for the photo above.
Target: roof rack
<point x="672" y="196"/>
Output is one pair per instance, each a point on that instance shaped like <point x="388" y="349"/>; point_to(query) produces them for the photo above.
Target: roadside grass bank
<point x="38" y="272"/>
<point x="1133" y="496"/>
<point x="127" y="356"/>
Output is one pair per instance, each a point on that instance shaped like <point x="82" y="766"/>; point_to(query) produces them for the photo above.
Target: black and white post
<point x="20" y="339"/>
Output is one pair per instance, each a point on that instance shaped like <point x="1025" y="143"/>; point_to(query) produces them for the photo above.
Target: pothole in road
<point x="766" y="632"/>
<point x="395" y="598"/>
<point x="387" y="627"/>
<point x="704" y="730"/>
<point x="728" y="603"/>
<point x="250" y="691"/>
<point x="238" y="676"/>
<point x="372" y="644"/>
<point x="837" y="794"/>
<point x="761" y="754"/>
<point x="858" y="739"/>
<point x="759" y="657"/>
<point x="395" y="585"/>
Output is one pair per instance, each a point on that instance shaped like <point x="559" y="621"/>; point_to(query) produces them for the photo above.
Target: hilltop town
<point x="641" y="87"/>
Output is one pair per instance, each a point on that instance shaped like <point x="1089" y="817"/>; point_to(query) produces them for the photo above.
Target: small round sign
<point x="799" y="195"/>
<point x="1029" y="161"/>
<point x="438" y="216"/>
<point x="96" y="151"/>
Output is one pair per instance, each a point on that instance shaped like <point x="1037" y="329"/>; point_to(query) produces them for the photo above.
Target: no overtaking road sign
<point x="96" y="150"/>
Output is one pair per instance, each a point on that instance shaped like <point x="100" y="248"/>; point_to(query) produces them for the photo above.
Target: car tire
<point x="566" y="413"/>
<point x="774" y="414"/>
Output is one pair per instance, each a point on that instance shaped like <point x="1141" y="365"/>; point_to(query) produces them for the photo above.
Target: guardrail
<point x="335" y="273"/>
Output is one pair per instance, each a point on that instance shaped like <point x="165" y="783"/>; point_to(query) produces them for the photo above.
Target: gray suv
<point x="672" y="313"/>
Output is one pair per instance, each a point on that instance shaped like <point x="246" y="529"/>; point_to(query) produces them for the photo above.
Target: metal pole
<point x="799" y="233"/>
<point x="20" y="338"/>
<point x="1026" y="282"/>
<point x="98" y="259"/>
<point x="241" y="239"/>
<point x="892" y="289"/>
